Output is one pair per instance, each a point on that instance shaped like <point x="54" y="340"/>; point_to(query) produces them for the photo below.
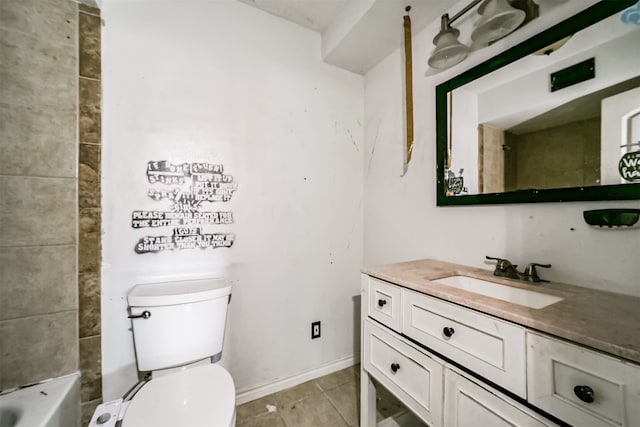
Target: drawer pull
<point x="395" y="367"/>
<point x="584" y="393"/>
<point x="448" y="332"/>
<point x="381" y="302"/>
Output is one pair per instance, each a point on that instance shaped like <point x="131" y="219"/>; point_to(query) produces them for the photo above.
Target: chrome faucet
<point x="531" y="274"/>
<point x="504" y="268"/>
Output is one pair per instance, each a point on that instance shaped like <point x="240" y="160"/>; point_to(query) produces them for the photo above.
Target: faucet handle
<point x="502" y="264"/>
<point x="531" y="273"/>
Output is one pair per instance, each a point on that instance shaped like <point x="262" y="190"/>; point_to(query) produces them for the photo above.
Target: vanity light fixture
<point x="498" y="18"/>
<point x="449" y="51"/>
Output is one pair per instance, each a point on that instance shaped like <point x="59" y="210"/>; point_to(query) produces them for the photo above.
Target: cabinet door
<point x="414" y="377"/>
<point x="467" y="404"/>
<point x="581" y="386"/>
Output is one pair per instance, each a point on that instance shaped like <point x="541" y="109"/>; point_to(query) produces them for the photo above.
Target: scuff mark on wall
<point x="354" y="224"/>
<point x="373" y="148"/>
<point x="353" y="141"/>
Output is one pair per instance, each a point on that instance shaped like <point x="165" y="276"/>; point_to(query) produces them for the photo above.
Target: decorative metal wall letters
<point x="187" y="186"/>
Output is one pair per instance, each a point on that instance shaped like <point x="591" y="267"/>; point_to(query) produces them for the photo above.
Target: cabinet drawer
<point x="556" y="368"/>
<point x="383" y="303"/>
<point x="491" y="347"/>
<point x="466" y="403"/>
<point x="414" y="377"/>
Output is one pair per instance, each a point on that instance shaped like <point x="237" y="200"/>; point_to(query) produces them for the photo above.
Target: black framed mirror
<point x="555" y="118"/>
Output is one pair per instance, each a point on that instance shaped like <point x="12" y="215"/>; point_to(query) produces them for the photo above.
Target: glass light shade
<point x="499" y="18"/>
<point x="449" y="51"/>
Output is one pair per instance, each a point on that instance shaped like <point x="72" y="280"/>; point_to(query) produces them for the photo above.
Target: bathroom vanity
<point x="459" y="346"/>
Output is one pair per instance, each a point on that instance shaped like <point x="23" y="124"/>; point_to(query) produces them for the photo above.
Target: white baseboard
<point x="279" y="385"/>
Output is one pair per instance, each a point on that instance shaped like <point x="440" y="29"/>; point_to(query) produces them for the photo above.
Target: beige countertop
<point x="602" y="320"/>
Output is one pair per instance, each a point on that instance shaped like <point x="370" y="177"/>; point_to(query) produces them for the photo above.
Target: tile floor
<point x="329" y="401"/>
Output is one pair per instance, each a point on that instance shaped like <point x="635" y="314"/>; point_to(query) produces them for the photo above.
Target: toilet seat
<point x="202" y="396"/>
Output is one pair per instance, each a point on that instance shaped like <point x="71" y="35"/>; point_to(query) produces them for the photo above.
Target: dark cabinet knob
<point x="584" y="393"/>
<point x="448" y="332"/>
<point x="381" y="302"/>
<point x="395" y="367"/>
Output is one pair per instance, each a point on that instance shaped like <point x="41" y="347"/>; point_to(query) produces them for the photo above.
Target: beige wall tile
<point x="89" y="45"/>
<point x="89" y="220"/>
<point x="89" y="304"/>
<point x="89" y="258"/>
<point x="87" y="409"/>
<point x="37" y="211"/>
<point x="52" y="20"/>
<point x="37" y="280"/>
<point x="38" y="141"/>
<point x="90" y="7"/>
<point x="89" y="250"/>
<point x="89" y="176"/>
<point x="90" y="111"/>
<point x="90" y="366"/>
<point x="37" y="348"/>
<point x="37" y="72"/>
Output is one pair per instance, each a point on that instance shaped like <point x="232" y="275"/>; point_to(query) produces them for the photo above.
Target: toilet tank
<point x="176" y="323"/>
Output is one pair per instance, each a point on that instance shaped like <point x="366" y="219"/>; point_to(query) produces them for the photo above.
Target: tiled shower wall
<point x="38" y="196"/>
<point x="89" y="208"/>
<point x="50" y="77"/>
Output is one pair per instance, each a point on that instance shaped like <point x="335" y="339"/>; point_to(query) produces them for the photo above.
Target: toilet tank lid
<point x="179" y="292"/>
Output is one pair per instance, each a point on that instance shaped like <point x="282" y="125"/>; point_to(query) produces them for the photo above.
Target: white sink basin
<point x="518" y="296"/>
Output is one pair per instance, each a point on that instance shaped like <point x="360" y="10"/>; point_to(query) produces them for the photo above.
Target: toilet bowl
<point x="178" y="327"/>
<point x="202" y="396"/>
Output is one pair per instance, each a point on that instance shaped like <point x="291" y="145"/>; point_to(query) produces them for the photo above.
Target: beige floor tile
<point x="346" y="399"/>
<point x="386" y="403"/>
<point x="254" y="408"/>
<point x="314" y="411"/>
<point x="268" y="420"/>
<point x="332" y="400"/>
<point x="297" y="393"/>
<point x="338" y="378"/>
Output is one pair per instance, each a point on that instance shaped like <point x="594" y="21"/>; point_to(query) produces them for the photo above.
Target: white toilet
<point x="178" y="332"/>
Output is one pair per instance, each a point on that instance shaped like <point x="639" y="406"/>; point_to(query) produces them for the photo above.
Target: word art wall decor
<point x="187" y="186"/>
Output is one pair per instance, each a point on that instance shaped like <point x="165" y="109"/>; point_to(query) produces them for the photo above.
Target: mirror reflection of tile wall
<point x="559" y="157"/>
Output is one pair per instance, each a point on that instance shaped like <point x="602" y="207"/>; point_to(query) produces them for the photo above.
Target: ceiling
<point x="356" y="34"/>
<point x="315" y="15"/>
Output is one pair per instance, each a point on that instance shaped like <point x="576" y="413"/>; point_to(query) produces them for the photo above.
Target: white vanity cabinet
<point x="408" y="372"/>
<point x="470" y="403"/>
<point x="451" y="365"/>
<point x="493" y="348"/>
<point x="581" y="386"/>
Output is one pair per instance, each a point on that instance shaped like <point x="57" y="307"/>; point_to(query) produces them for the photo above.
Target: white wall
<point x="222" y="82"/>
<point x="402" y="221"/>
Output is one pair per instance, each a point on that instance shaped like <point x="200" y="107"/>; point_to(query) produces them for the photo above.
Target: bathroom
<point x="316" y="151"/>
